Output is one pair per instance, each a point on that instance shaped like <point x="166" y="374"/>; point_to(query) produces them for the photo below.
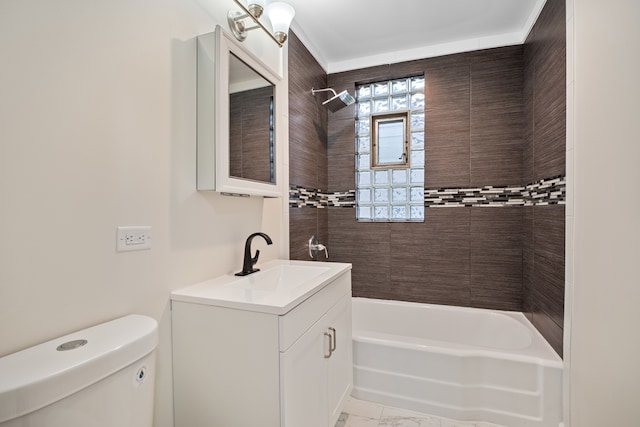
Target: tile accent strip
<point x="300" y="197"/>
<point x="549" y="191"/>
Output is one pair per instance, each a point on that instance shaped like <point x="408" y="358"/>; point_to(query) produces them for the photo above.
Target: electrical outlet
<point x="134" y="238"/>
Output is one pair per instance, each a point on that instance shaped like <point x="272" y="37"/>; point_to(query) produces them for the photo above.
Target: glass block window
<point x="394" y="194"/>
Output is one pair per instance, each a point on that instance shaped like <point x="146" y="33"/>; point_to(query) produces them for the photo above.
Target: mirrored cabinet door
<point x="238" y="148"/>
<point x="251" y="124"/>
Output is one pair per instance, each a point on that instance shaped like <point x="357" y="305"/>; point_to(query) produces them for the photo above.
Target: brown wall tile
<point x="308" y="165"/>
<point x="548" y="230"/>
<point x="550" y="133"/>
<point x="543" y="274"/>
<point x="544" y="157"/>
<point x="496" y="116"/>
<point x="496" y="258"/>
<point x="342" y="172"/>
<point x="548" y="237"/>
<point x="447" y="114"/>
<point x="409" y="68"/>
<point x="367" y="247"/>
<point x="430" y="260"/>
<point x="546" y="48"/>
<point x="528" y="86"/>
<point x="341" y="137"/>
<point x="527" y="261"/>
<point x="548" y="292"/>
<point x="552" y="332"/>
<point x="303" y="223"/>
<point x="307" y="119"/>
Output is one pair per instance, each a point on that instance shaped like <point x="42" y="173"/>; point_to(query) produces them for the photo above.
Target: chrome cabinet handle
<point x="332" y="344"/>
<point x="326" y="356"/>
<point x="332" y="341"/>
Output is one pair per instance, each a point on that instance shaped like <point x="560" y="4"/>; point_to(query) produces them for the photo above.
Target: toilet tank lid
<point x="38" y="376"/>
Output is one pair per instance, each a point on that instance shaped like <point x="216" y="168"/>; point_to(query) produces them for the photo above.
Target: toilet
<point x="97" y="377"/>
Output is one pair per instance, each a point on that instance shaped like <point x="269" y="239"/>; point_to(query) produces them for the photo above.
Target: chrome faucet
<point x="249" y="262"/>
<point x="315" y="247"/>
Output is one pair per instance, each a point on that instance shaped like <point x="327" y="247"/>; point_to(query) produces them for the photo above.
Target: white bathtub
<point x="455" y="362"/>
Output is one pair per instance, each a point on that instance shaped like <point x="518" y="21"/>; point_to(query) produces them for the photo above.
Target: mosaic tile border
<point x="549" y="191"/>
<point x="300" y="197"/>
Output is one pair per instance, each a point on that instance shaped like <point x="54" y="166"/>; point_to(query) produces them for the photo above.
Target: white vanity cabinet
<point x="316" y="370"/>
<point x="239" y="367"/>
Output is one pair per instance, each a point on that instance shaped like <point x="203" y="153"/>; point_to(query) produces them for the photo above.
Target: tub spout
<point x="249" y="262"/>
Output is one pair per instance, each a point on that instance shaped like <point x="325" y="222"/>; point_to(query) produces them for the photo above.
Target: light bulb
<point x="280" y="14"/>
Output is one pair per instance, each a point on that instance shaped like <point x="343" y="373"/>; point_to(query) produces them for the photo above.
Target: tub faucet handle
<point x="315" y="247"/>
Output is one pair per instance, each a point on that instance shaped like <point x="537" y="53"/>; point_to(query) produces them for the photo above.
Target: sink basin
<point x="277" y="288"/>
<point x="280" y="278"/>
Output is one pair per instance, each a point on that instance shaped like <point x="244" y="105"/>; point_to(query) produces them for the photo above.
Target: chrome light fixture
<point x="280" y="14"/>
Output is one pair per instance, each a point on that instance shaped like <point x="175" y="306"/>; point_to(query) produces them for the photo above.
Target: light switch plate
<point x="133" y="238"/>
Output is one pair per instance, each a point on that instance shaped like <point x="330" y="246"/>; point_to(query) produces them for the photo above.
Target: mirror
<point x="251" y="124"/>
<point x="240" y="149"/>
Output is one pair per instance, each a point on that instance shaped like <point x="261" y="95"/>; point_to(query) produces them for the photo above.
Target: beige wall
<point x="605" y="341"/>
<point x="97" y="130"/>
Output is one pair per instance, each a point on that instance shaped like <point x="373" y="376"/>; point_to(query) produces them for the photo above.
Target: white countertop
<point x="278" y="287"/>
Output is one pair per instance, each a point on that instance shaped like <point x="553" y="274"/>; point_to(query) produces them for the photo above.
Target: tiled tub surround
<point x="308" y="168"/>
<point x="544" y="90"/>
<point x="493" y="118"/>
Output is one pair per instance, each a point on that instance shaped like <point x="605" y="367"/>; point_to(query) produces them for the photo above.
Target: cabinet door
<point x="340" y="364"/>
<point x="304" y="380"/>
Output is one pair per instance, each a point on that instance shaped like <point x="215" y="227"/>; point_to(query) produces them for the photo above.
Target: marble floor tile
<point x="357" y="421"/>
<point x="395" y="417"/>
<point x="342" y="420"/>
<point x="452" y="423"/>
<point x="409" y="422"/>
<point x="362" y="408"/>
<point x="359" y="413"/>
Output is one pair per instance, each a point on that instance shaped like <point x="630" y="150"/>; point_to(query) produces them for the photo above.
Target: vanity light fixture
<point x="280" y="14"/>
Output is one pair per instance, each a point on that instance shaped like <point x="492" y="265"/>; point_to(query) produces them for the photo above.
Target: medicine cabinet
<point x="239" y="152"/>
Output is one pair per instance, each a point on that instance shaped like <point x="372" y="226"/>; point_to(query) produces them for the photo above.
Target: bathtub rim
<point x="539" y="352"/>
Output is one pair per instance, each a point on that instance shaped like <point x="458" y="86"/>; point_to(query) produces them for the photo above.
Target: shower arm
<point x="314" y="91"/>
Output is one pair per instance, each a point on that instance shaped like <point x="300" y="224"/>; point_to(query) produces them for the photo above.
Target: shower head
<point x="338" y="100"/>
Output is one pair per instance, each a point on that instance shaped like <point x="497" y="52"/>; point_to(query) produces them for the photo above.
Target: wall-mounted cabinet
<point x="239" y="120"/>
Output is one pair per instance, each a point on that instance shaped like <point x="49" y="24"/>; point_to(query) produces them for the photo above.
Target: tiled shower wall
<point x="544" y="155"/>
<point x="493" y="118"/>
<point x="473" y="138"/>
<point x="307" y="146"/>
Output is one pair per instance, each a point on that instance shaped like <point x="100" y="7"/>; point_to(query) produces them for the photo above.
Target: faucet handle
<point x="254" y="260"/>
<point x="322" y="247"/>
<point x="314" y="247"/>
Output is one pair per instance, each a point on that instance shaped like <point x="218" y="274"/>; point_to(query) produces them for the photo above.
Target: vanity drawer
<point x="293" y="324"/>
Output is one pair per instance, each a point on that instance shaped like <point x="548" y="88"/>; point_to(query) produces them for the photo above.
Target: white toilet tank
<point x="102" y="376"/>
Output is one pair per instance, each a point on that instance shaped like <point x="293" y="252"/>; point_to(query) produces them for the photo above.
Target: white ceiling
<point x="350" y="34"/>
